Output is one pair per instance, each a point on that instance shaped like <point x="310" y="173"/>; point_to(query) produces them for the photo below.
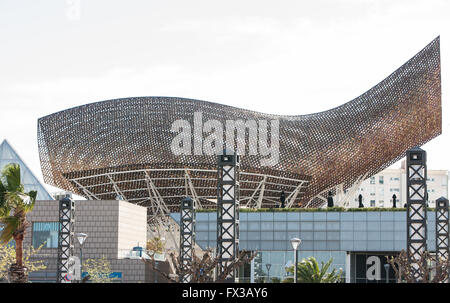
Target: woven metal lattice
<point x="99" y="149"/>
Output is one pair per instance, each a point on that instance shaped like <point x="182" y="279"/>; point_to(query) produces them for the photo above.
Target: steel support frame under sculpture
<point x="227" y="212"/>
<point x="416" y="208"/>
<point x="187" y="237"/>
<point x="65" y="238"/>
<point x="102" y="149"/>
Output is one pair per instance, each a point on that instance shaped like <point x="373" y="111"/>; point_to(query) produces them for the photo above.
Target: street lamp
<point x="295" y="242"/>
<point x="268" y="266"/>
<point x="81" y="237"/>
<point x="386" y="267"/>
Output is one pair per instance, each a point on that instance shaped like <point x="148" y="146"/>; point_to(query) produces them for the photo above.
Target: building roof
<point x="9" y="155"/>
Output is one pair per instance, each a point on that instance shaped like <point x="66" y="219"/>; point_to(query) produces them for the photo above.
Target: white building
<point x="378" y="190"/>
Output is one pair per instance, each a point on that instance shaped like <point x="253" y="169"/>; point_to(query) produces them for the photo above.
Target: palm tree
<point x="14" y="205"/>
<point x="308" y="271"/>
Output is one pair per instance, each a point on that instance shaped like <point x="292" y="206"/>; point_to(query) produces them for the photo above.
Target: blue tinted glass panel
<point x="266" y="225"/>
<point x="347" y="216"/>
<point x="280" y="216"/>
<point x="254" y="226"/>
<point x="320" y="216"/>
<point x="254" y="235"/>
<point x="373" y="216"/>
<point x="266" y="216"/>
<point x="387" y="216"/>
<point x="373" y="225"/>
<point x="332" y="225"/>
<point x="320" y="225"/>
<point x="201" y="226"/>
<point x="347" y="225"/>
<point x="360" y="216"/>
<point x="253" y="216"/>
<point x="306" y="225"/>
<point x="321" y="235"/>
<point x="333" y="235"/>
<point x="45" y="232"/>
<point x="201" y="236"/>
<point x="306" y="216"/>
<point x="333" y="216"/>
<point x="280" y="225"/>
<point x="293" y="216"/>
<point x="293" y="225"/>
<point x="267" y="235"/>
<point x="280" y="235"/>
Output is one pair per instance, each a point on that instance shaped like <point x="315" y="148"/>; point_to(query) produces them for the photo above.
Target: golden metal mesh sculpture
<point x="122" y="147"/>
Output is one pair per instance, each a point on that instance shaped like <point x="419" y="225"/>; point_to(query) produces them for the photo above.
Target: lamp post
<point x="386" y="267"/>
<point x="268" y="266"/>
<point x="295" y="242"/>
<point x="81" y="237"/>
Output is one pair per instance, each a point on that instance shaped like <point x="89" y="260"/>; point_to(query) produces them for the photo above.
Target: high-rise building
<point x="378" y="190"/>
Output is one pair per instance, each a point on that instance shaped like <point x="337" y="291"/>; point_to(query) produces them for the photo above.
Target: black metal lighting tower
<point x="416" y="210"/>
<point x="65" y="239"/>
<point x="442" y="229"/>
<point x="227" y="211"/>
<point x="187" y="237"/>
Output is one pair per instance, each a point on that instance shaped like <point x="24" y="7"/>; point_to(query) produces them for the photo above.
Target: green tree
<point x="99" y="270"/>
<point x="308" y="271"/>
<point x="8" y="257"/>
<point x="15" y="203"/>
<point x="155" y="245"/>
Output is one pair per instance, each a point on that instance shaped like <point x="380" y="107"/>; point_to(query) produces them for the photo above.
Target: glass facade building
<point x="325" y="235"/>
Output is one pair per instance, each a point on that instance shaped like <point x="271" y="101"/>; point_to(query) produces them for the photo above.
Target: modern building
<point x="113" y="227"/>
<point x="147" y="149"/>
<point x="378" y="190"/>
<point x="358" y="241"/>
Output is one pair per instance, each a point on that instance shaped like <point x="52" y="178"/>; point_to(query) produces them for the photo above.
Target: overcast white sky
<point x="283" y="57"/>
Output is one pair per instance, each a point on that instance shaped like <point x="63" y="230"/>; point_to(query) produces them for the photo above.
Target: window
<point x="372" y="203"/>
<point x="381" y="180"/>
<point x="372" y="180"/>
<point x="395" y="179"/>
<point x="45" y="232"/>
<point x="381" y="203"/>
<point x="395" y="190"/>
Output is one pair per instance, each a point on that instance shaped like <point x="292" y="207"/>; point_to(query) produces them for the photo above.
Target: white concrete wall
<point x="132" y="226"/>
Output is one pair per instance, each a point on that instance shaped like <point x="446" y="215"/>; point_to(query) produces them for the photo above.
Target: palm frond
<point x="11" y="173"/>
<point x="2" y="194"/>
<point x="10" y="225"/>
